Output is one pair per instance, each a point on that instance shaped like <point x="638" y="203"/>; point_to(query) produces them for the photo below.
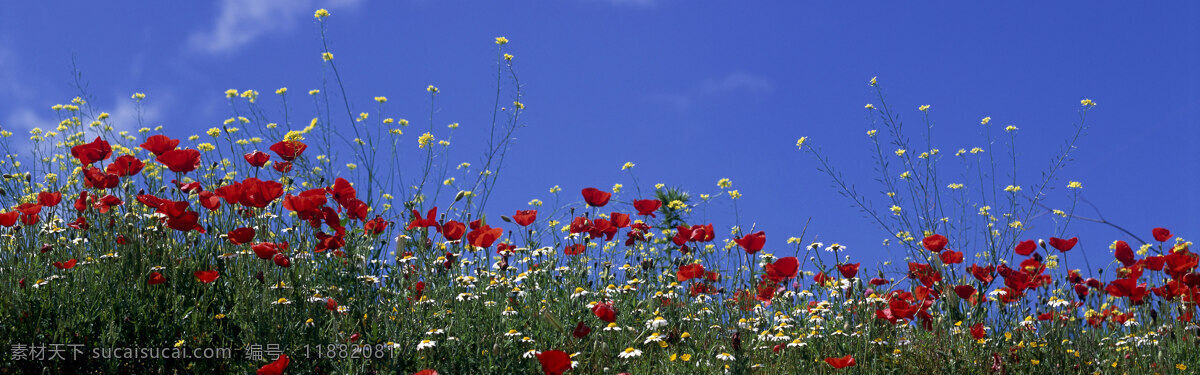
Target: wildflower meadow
<point x="298" y="236"/>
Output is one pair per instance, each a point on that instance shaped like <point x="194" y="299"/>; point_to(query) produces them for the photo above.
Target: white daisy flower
<point x="425" y="344"/>
<point x="630" y="353"/>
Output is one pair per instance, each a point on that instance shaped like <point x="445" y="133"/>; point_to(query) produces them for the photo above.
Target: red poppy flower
<point x="690" y="271"/>
<point x="257" y="158"/>
<point x="282" y="167"/>
<point x="29" y="209"/>
<point x="1155" y="263"/>
<point x="842" y="362"/>
<point x="782" y="269"/>
<point x="1063" y="245"/>
<point x="1026" y="247"/>
<point x="96" y="178"/>
<point x="525" y="217"/>
<point x="924" y="272"/>
<point x="282" y="260"/>
<point x="307" y="205"/>
<point x="1127" y="287"/>
<point x="646" y="207"/>
<point x="180" y="161"/>
<point x="8" y="219"/>
<point x="581" y="330"/>
<point x="935" y="243"/>
<point x="156" y="278"/>
<point x="605" y="312"/>
<point x="977" y="331"/>
<point x="82" y="224"/>
<point x="207" y="276"/>
<point x="951" y="257"/>
<point x="241" y="235"/>
<point x="342" y="191"/>
<point x="264" y="250"/>
<point x="848" y="270"/>
<point x="821" y="278"/>
<point x="65" y="265"/>
<point x="453" y="230"/>
<point x="289" y="150"/>
<point x="125" y="165"/>
<point x="375" y="226"/>
<point x="554" y="362"/>
<point x="484" y="237"/>
<point x="331" y="304"/>
<point x="575" y="249"/>
<point x="983" y="274"/>
<point x="766" y="291"/>
<point x="619" y="220"/>
<point x="1123" y="253"/>
<point x="258" y="193"/>
<point x="430" y="219"/>
<point x="964" y="291"/>
<point x="158" y="144"/>
<point x="107" y="202"/>
<point x="49" y="199"/>
<point x="595" y="197"/>
<point x="187" y="221"/>
<point x="753" y="242"/>
<point x="330" y="242"/>
<point x="274" y="368"/>
<point x="1161" y="234"/>
<point x="426" y="372"/>
<point x="89" y="153"/>
<point x="209" y="200"/>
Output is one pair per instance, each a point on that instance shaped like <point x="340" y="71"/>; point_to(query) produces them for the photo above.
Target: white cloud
<point x="24" y="119"/>
<point x="734" y="82"/>
<point x="124" y="114"/>
<point x="11" y="82"/>
<point x="20" y="121"/>
<point x="240" y="22"/>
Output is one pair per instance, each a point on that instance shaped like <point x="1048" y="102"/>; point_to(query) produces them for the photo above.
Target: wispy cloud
<point x="25" y="118"/>
<point x="240" y="22"/>
<point x="11" y="84"/>
<point x="124" y="113"/>
<point x="736" y="82"/>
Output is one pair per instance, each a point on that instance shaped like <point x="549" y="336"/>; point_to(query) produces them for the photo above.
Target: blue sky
<point x="690" y="91"/>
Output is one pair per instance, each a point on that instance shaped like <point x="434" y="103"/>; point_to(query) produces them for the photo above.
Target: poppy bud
<point x="460" y="195"/>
